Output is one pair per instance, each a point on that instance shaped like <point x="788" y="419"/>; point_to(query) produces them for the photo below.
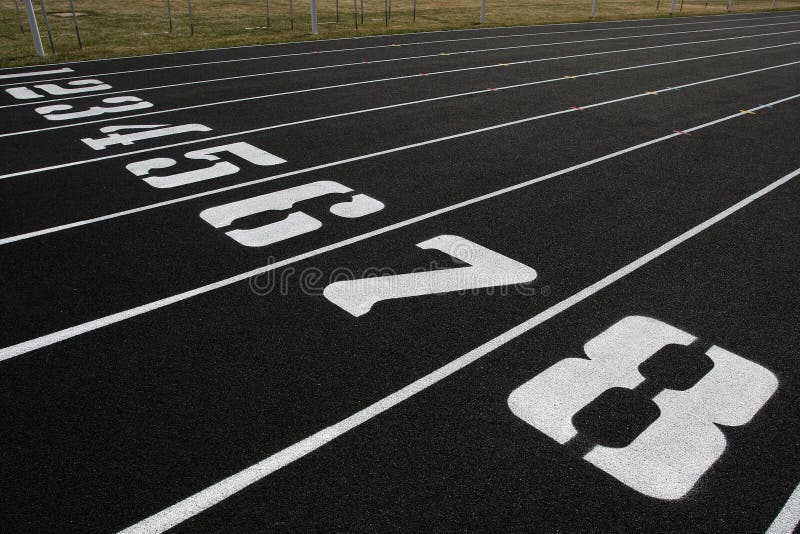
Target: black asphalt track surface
<point x="116" y="404"/>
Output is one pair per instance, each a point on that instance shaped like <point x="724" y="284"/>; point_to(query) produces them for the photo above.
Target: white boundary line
<point x="407" y="77"/>
<point x="744" y="16"/>
<point x="789" y="517"/>
<point x="205" y="499"/>
<point x="24" y="347"/>
<point x="357" y="112"/>
<point x="374" y="61"/>
<point x="147" y="207"/>
<point x="239" y="77"/>
<point x="34" y="73"/>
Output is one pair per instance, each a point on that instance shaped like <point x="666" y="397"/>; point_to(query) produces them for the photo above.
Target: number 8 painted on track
<point x="668" y="458"/>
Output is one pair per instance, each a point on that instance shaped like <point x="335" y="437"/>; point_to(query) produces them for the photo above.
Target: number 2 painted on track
<point x="486" y="269"/>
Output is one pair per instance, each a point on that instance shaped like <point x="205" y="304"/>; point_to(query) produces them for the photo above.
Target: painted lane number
<point x="683" y="441"/>
<point x="139" y="133"/>
<point x="73" y="87"/>
<point x="486" y="269"/>
<point x="129" y="103"/>
<point x="245" y="151"/>
<point x="296" y="223"/>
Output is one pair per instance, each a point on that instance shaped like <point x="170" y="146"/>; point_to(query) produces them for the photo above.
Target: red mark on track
<point x="491" y="89"/>
<point x="576" y="107"/>
<point x="681" y="132"/>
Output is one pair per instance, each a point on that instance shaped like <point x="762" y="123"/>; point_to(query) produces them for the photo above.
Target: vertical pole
<point x="169" y="14"/>
<point x="386" y="12"/>
<point x="390" y="9"/>
<point x="267" y="14"/>
<point x="75" y="21"/>
<point x="37" y="39"/>
<point x="730" y="5"/>
<point x="291" y="13"/>
<point x="47" y="27"/>
<point x="22" y="28"/>
<point x="594" y="8"/>
<point x="672" y="8"/>
<point x="191" y="20"/>
<point x="658" y="3"/>
<point x="337" y="11"/>
<point x="483" y="11"/>
<point x="314" y="29"/>
<point x="355" y="12"/>
<point x="414" y="15"/>
<point x="681" y="9"/>
<point x="362" y="12"/>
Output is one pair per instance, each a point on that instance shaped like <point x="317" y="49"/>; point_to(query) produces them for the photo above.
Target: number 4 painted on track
<point x="486" y="269"/>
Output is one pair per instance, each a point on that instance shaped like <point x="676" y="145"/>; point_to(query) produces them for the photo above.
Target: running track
<point x="518" y="279"/>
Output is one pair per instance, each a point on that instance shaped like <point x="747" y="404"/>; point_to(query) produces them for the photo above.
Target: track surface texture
<point x="532" y="279"/>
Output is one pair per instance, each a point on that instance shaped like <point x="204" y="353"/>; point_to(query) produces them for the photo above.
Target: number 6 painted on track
<point x="486" y="269"/>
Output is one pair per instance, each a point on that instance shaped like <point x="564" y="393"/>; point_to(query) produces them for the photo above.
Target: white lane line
<point x="55" y="337"/>
<point x="789" y="517"/>
<point x="734" y="17"/>
<point x="449" y="71"/>
<point x="205" y="499"/>
<point x="85" y="222"/>
<point x="358" y="112"/>
<point x="35" y="73"/>
<point x="396" y="78"/>
<point x="386" y="60"/>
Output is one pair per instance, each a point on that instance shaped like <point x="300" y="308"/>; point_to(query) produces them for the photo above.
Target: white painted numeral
<point x="245" y="151"/>
<point x="75" y="87"/>
<point x="668" y="458"/>
<point x="487" y="269"/>
<point x="296" y="223"/>
<point x="135" y="104"/>
<point x="23" y="93"/>
<point x="147" y="131"/>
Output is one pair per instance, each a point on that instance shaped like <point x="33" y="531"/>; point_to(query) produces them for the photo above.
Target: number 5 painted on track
<point x="486" y="269"/>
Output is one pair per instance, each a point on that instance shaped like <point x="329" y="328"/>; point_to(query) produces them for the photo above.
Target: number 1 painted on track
<point x="486" y="269"/>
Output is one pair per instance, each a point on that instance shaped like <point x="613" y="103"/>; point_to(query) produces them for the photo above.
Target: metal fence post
<point x="47" y="27"/>
<point x="37" y="39"/>
<point x="19" y="17"/>
<point x="386" y="12"/>
<point x="483" y="11"/>
<point x="355" y="12"/>
<point x="291" y="13"/>
<point x="191" y="20"/>
<point x="267" y="14"/>
<point x="672" y="8"/>
<point x="362" y="12"/>
<point x="337" y="11"/>
<point x="594" y="8"/>
<point x="169" y="14"/>
<point x="730" y="5"/>
<point x="414" y="12"/>
<point x="75" y="21"/>
<point x="314" y="29"/>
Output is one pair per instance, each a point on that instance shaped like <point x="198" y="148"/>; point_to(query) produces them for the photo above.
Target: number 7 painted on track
<point x="486" y="269"/>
